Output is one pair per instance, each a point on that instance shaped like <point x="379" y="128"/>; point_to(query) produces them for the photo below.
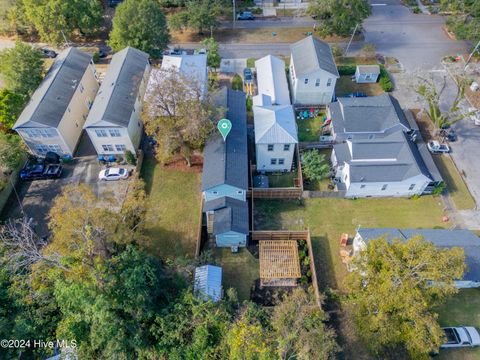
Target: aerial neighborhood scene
<point x="239" y="179"/>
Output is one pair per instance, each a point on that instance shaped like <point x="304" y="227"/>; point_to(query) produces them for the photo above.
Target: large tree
<point x="56" y="19"/>
<point x="21" y="68"/>
<point x="213" y="56"/>
<point x="11" y="151"/>
<point x="199" y="15"/>
<point x="394" y="289"/>
<point x="140" y="24"/>
<point x="11" y="105"/>
<point x="179" y="115"/>
<point x="315" y="167"/>
<point x="338" y="17"/>
<point x="464" y="18"/>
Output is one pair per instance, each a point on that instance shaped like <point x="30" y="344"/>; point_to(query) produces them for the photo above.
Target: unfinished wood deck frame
<point x="279" y="259"/>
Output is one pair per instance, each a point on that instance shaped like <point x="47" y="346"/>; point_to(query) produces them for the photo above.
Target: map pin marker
<point x="224" y="126"/>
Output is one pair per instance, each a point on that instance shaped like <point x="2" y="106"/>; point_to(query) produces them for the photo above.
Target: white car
<point x="435" y="147"/>
<point x="461" y="336"/>
<point x="474" y="115"/>
<point x="112" y="174"/>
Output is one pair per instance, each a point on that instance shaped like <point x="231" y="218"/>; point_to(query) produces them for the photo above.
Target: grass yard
<point x="309" y="130"/>
<point x="173" y="214"/>
<point x="240" y="270"/>
<point x="281" y="180"/>
<point x="345" y="86"/>
<point x="456" y="186"/>
<point x="463" y="309"/>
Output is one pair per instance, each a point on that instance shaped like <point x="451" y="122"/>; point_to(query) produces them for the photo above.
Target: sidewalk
<point x="423" y="8"/>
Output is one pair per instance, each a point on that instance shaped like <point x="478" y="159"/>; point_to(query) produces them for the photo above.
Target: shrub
<point x="385" y="81"/>
<point x="347" y="69"/>
<point x="416" y="10"/>
<point x="249" y="104"/>
<point x="237" y="82"/>
<point x="130" y="158"/>
<point x="250" y="62"/>
<point x="96" y="57"/>
<point x="314" y="165"/>
<point x="257" y="11"/>
<point x="439" y="189"/>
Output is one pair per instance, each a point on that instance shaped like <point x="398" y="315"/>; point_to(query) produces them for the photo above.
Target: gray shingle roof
<point x="116" y="97"/>
<point x="441" y="238"/>
<point x="368" y="69"/>
<point x="226" y="162"/>
<point x="367" y="114"/>
<point x="50" y="101"/>
<point x="311" y="54"/>
<point x="229" y="215"/>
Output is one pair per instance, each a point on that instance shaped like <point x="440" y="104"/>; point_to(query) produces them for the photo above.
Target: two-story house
<point x="313" y="73"/>
<point x="114" y="124"/>
<point x="54" y="117"/>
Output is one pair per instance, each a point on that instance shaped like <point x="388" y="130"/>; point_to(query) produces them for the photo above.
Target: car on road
<point x="113" y="173"/>
<point x="437" y="148"/>
<point x="461" y="336"/>
<point x="47" y="53"/>
<point x="448" y="135"/>
<point x="245" y="15"/>
<point x="247" y="75"/>
<point x="474" y="115"/>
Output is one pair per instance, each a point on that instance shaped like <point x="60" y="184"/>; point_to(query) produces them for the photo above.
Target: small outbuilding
<point x="367" y="74"/>
<point x="208" y="282"/>
<point x="279" y="263"/>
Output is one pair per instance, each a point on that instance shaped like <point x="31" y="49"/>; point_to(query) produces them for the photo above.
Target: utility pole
<point x="471" y="54"/>
<point x="353" y="34"/>
<point x="67" y="44"/>
<point x="234" y="13"/>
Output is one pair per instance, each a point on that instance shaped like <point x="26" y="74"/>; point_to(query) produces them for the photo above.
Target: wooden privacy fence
<point x="198" y="245"/>
<point x="324" y="194"/>
<point x="281" y="235"/>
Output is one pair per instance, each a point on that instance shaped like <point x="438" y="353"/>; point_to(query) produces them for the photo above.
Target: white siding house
<point x="313" y="73"/>
<point x="54" y="117"/>
<point x="193" y="67"/>
<point x="272" y="80"/>
<point x="367" y="74"/>
<point x="114" y="123"/>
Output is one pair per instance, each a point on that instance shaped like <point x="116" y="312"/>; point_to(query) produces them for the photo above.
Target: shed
<point x="279" y="263"/>
<point x="367" y="74"/>
<point x="208" y="282"/>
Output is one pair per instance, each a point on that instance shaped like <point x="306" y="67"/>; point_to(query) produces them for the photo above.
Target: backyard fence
<point x="314" y="145"/>
<point x="198" y="245"/>
<point x="324" y="194"/>
<point x="280" y="235"/>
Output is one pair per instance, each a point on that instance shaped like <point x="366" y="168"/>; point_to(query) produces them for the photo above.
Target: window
<point x="317" y="82"/>
<point x="362" y="186"/>
<point x="215" y="192"/>
<point x="36" y="133"/>
<point x="349" y="137"/>
<point x="412" y="186"/>
<point x="81" y="88"/>
<point x="42" y="149"/>
<point x="329" y="82"/>
<point x="239" y="192"/>
<point x="89" y="103"/>
<point x="107" y="148"/>
<point x="286" y="147"/>
<point x="270" y="147"/>
<point x="55" y="148"/>
<point x="281" y="161"/>
<point x="120" y="147"/>
<point x="292" y="71"/>
<point x="114" y="132"/>
<point x="306" y="81"/>
<point x="69" y="110"/>
<point x="101" y="133"/>
<point x="273" y="161"/>
<point x="384" y="187"/>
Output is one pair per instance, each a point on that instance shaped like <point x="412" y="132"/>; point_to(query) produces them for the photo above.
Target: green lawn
<point x="240" y="270"/>
<point x="463" y="309"/>
<point x="173" y="214"/>
<point x="281" y="180"/>
<point x="456" y="186"/>
<point x="310" y="129"/>
<point x="345" y="86"/>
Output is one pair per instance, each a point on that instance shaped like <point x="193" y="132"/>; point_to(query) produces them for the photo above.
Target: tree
<point x="300" y="330"/>
<point x="11" y="106"/>
<point x="395" y="287"/>
<point x="213" y="56"/>
<point x="338" y="17"/>
<point x="368" y="50"/>
<point x="199" y="15"/>
<point x="54" y="19"/>
<point x="21" y="68"/>
<point x="464" y="19"/>
<point x="178" y="114"/>
<point x="431" y="93"/>
<point x="314" y="165"/>
<point x="140" y="24"/>
<point x="237" y="82"/>
<point x="11" y="151"/>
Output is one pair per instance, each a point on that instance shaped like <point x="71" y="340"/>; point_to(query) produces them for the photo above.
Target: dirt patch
<point x="424" y="124"/>
<point x="179" y="163"/>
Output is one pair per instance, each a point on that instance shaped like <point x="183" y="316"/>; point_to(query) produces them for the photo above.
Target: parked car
<point x="247" y="75"/>
<point x="448" y="135"/>
<point x="245" y="15"/>
<point x="461" y="336"/>
<point x="113" y="173"/>
<point x="200" y="51"/>
<point x="47" y="53"/>
<point x="437" y="148"/>
<point x="36" y="169"/>
<point x="474" y="115"/>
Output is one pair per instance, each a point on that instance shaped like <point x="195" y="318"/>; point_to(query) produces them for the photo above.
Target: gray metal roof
<point x="208" y="282"/>
<point x="229" y="215"/>
<point x="441" y="238"/>
<point x="368" y="69"/>
<point x="226" y="162"/>
<point x="275" y="124"/>
<point x="116" y="97"/>
<point x="367" y="114"/>
<point x="311" y="54"/>
<point x="50" y="101"/>
<point x="272" y="79"/>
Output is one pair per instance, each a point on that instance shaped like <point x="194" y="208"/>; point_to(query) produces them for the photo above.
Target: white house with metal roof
<point x="193" y="67"/>
<point x="367" y="74"/>
<point x="275" y="137"/>
<point x="54" y="117"/>
<point x="272" y="79"/>
<point x="441" y="238"/>
<point x="114" y="124"/>
<point x="208" y="283"/>
<point x="313" y="72"/>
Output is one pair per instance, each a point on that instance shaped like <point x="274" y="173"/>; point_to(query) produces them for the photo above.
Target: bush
<point x="96" y="57"/>
<point x="257" y="11"/>
<point x="416" y="10"/>
<point x="250" y="62"/>
<point x="130" y="158"/>
<point x="439" y="189"/>
<point x="385" y="81"/>
<point x="249" y="104"/>
<point x="347" y="69"/>
<point x="237" y="83"/>
<point x="337" y="51"/>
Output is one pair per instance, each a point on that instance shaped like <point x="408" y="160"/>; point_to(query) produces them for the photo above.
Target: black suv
<point x="40" y="169"/>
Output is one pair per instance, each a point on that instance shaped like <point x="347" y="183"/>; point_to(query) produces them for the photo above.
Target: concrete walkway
<point x="423" y="8"/>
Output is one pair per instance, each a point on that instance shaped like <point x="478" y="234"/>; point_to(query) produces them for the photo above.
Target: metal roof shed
<point x="208" y="282"/>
